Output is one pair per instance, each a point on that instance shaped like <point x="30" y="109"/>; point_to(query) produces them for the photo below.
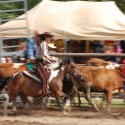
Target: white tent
<point x="72" y="20"/>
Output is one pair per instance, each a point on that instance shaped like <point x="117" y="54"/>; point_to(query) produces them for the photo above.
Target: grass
<point x="116" y="103"/>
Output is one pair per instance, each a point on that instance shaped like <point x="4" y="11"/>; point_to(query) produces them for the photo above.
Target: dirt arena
<point x="52" y="116"/>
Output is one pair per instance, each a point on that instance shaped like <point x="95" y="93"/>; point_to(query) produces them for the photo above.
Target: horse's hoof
<point x="66" y="108"/>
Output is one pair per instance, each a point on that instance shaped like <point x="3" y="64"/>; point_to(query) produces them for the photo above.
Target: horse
<point x="103" y="79"/>
<point x="24" y="85"/>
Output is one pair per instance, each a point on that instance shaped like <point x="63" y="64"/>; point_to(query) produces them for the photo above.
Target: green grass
<point x="118" y="103"/>
<point x="115" y="102"/>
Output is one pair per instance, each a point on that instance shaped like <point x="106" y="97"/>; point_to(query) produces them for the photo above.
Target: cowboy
<point x="43" y="58"/>
<point x="42" y="49"/>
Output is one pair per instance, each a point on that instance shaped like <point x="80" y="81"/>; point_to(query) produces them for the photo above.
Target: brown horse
<point x="103" y="79"/>
<point x="23" y="85"/>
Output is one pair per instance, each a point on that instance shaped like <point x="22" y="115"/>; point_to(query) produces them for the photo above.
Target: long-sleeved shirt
<point x="42" y="51"/>
<point x="31" y="48"/>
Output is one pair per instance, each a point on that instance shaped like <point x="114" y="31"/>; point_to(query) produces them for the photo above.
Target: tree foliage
<point x="32" y="3"/>
<point x="13" y="6"/>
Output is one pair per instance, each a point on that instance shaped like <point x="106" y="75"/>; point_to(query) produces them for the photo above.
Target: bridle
<point x="71" y="73"/>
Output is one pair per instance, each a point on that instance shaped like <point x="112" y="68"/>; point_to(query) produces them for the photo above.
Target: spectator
<point x="109" y="49"/>
<point x="22" y="45"/>
<point x="9" y="60"/>
<point x="122" y="43"/>
<point x="118" y="48"/>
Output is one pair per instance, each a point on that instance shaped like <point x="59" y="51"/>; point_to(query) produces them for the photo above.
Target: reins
<point x="72" y="75"/>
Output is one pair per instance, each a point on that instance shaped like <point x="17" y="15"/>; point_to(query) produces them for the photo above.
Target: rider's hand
<point x="54" y="61"/>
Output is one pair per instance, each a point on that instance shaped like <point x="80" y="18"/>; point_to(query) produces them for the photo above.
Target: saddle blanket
<point x="32" y="76"/>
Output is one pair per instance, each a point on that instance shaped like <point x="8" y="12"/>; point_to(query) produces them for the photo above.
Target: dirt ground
<point x="52" y="116"/>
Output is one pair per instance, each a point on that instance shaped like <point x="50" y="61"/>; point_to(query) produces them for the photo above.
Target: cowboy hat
<point x="51" y="45"/>
<point x="47" y="34"/>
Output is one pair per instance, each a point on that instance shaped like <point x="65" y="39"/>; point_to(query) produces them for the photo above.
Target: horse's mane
<point x="67" y="60"/>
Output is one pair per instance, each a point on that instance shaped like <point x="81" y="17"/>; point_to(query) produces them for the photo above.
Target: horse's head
<point x="70" y="68"/>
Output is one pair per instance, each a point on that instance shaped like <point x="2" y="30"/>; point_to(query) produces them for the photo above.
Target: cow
<point x="105" y="80"/>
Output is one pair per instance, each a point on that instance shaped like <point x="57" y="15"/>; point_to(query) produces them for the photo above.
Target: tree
<point x="15" y="5"/>
<point x="32" y="3"/>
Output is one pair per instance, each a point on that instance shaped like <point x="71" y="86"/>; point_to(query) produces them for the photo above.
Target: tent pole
<point x="87" y="45"/>
<point x="65" y="46"/>
<point x="1" y="40"/>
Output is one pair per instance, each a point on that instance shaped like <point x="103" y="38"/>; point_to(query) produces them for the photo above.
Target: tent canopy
<point x="80" y="20"/>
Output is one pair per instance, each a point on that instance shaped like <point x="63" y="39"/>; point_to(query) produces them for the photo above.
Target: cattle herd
<point x="67" y="81"/>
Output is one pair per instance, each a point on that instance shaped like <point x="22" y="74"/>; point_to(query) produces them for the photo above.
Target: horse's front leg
<point x="88" y="98"/>
<point x="67" y="104"/>
<point x="64" y="105"/>
<point x="60" y="102"/>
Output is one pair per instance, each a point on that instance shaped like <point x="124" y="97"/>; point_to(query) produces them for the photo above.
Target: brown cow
<point x="104" y="79"/>
<point x="8" y="69"/>
<point x="104" y="64"/>
<point x="97" y="62"/>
